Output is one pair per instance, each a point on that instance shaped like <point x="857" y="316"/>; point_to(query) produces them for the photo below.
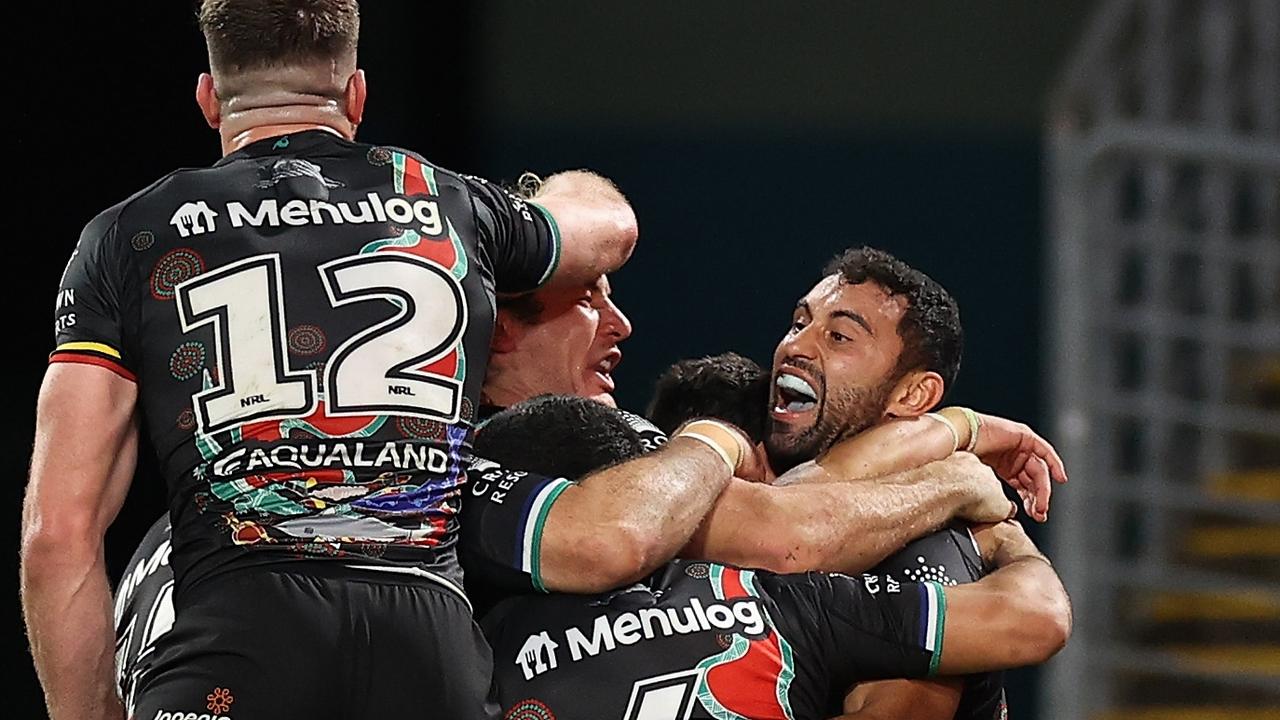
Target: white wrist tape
<point x="955" y="436"/>
<point x="724" y="454"/>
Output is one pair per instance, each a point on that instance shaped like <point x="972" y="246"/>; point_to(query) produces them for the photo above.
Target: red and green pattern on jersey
<point x="252" y="504"/>
<point x="414" y="178"/>
<point x="751" y="678"/>
<point x="286" y="495"/>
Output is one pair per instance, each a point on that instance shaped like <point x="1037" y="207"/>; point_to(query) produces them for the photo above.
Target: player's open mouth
<point x="792" y="396"/>
<point x="604" y="369"/>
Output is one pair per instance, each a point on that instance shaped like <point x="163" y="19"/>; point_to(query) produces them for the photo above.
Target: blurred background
<point x="1098" y="184"/>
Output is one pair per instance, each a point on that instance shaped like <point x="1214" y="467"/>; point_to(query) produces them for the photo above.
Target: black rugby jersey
<point x="951" y="557"/>
<point x="308" y="322"/>
<point x="505" y="510"/>
<point x="503" y="505"/>
<point x="703" y="640"/>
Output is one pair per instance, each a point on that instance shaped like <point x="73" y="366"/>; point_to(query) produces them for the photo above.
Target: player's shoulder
<point x="104" y="222"/>
<point x="388" y="153"/>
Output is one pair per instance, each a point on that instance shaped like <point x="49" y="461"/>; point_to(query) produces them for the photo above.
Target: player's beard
<point x="841" y="414"/>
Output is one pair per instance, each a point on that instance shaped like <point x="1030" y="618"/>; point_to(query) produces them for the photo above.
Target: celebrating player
<point x="304" y="326"/>
<point x="704" y="640"/>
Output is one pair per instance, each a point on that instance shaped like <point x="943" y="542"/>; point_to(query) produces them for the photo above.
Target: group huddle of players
<point x="381" y="396"/>
<point x="695" y="638"/>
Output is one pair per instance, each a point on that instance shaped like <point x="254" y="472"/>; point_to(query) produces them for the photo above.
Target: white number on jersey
<point x="369" y="373"/>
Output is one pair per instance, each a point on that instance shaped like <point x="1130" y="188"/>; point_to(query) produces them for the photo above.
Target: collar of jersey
<point x="299" y="143"/>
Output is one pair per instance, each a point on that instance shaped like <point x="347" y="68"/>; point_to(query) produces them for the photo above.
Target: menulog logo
<point x="538" y="653"/>
<point x="197" y="218"/>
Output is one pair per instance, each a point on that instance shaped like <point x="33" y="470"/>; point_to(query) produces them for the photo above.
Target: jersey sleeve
<point x="869" y="627"/>
<point x="89" y="310"/>
<point x="521" y="236"/>
<point x="503" y="515"/>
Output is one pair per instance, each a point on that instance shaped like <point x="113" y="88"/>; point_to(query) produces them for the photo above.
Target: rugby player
<point x="704" y="640"/>
<point x="839" y="331"/>
<point x="619" y="525"/>
<point x="732" y="387"/>
<point x="304" y="326"/>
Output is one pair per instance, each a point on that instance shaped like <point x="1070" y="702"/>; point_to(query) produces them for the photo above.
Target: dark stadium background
<point x="755" y="140"/>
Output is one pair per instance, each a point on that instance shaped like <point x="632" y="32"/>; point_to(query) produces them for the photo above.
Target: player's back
<point x="651" y="648"/>
<point x="308" y="321"/>
<point x="703" y="640"/>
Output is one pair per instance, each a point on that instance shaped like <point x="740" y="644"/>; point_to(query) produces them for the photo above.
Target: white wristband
<point x="724" y="454"/>
<point x="955" y="436"/>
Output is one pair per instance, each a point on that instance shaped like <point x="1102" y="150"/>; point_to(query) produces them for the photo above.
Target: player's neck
<point x="504" y="390"/>
<point x="233" y="142"/>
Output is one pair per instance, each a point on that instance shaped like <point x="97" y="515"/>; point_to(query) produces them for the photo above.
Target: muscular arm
<point x="1018" y="615"/>
<point x="621" y="523"/>
<point x="1027" y="462"/>
<point x="597" y="225"/>
<point x="893" y="699"/>
<point x="885" y="449"/>
<point x="82" y="464"/>
<point x="844" y="527"/>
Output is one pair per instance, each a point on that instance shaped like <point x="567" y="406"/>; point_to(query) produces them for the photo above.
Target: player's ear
<point x="915" y="394"/>
<point x="356" y="94"/>
<point x="207" y="99"/>
<point x="506" y="332"/>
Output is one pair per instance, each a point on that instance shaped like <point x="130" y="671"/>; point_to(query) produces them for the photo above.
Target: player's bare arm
<point x="893" y="699"/>
<point x="1018" y="615"/>
<point x="596" y="223"/>
<point x="621" y="523"/>
<point x="1016" y="452"/>
<point x="81" y="468"/>
<point x="852" y="526"/>
<point x="845" y="526"/>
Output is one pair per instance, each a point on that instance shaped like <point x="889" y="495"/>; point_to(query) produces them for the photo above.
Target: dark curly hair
<point x="558" y="436"/>
<point x="932" y="338"/>
<point x="726" y="386"/>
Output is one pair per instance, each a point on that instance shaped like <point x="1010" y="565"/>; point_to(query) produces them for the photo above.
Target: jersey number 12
<point x="371" y="373"/>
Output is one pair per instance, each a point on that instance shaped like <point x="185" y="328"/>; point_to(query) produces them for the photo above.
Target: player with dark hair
<point x="949" y="556"/>
<point x="887" y="338"/>
<point x="726" y="386"/>
<point x="855" y="384"/>
<point x="702" y="640"/>
<point x="304" y="327"/>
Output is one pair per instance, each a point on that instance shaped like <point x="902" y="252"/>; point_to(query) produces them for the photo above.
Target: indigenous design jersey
<point x="494" y="569"/>
<point x="308" y="322"/>
<point x="701" y="640"/>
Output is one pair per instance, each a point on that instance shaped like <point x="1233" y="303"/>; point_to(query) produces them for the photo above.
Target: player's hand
<point x="987" y="503"/>
<point x="1024" y="459"/>
<point x="755" y="465"/>
<point x="1000" y="543"/>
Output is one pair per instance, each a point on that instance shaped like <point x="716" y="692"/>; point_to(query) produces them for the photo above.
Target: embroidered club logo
<point x="288" y="168"/>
